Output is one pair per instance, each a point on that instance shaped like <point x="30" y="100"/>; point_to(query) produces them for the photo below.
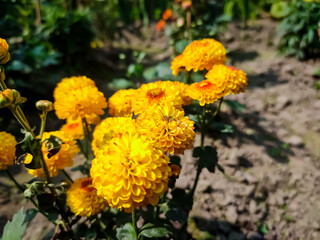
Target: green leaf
<point x="120" y="83"/>
<point x="150" y="73"/>
<point x="164" y="70"/>
<point x="126" y="232"/>
<point x="235" y="105"/>
<point x="181" y="45"/>
<point x="154" y="232"/>
<point x="33" y="146"/>
<point x="280" y="9"/>
<point x="224" y="128"/>
<point x="208" y="157"/>
<point x="30" y="214"/>
<point x="53" y="145"/>
<point x="14" y="230"/>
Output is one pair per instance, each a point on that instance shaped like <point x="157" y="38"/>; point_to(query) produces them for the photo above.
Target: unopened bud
<point x="10" y="97"/>
<point x="44" y="105"/>
<point x="4" y="51"/>
<point x="6" y="98"/>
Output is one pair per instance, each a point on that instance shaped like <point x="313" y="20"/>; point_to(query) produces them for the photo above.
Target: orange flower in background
<point x="167" y="14"/>
<point x="186" y="4"/>
<point x="73" y="128"/>
<point x="83" y="200"/>
<point x="227" y="79"/>
<point x="160" y="25"/>
<point x="199" y="55"/>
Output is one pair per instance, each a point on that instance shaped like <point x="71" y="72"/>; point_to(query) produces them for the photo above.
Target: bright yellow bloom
<point x="73" y="128"/>
<point x="78" y="97"/>
<point x="120" y="103"/>
<point x="154" y="94"/>
<point x="131" y="173"/>
<point x="4" y="51"/>
<point x="227" y="79"/>
<point x="168" y="128"/>
<point x="110" y="128"/>
<point x="83" y="200"/>
<point x="199" y="55"/>
<point x="205" y="92"/>
<point x="61" y="160"/>
<point x="181" y="88"/>
<point x="7" y="150"/>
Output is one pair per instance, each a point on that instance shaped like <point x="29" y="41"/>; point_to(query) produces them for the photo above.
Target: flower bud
<point x="44" y="105"/>
<point x="10" y="97"/>
<point x="6" y="98"/>
<point x="4" y="51"/>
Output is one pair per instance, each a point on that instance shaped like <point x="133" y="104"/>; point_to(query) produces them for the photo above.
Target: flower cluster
<point x="7" y="150"/>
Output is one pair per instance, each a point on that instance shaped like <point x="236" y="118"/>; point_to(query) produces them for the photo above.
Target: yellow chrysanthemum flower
<point x="205" y="92"/>
<point x="181" y="88"/>
<point x="227" y="79"/>
<point x="168" y="128"/>
<point x="7" y="150"/>
<point x="199" y="55"/>
<point x="4" y="51"/>
<point x="83" y="200"/>
<point x="78" y="97"/>
<point x="61" y="160"/>
<point x="120" y="103"/>
<point x="110" y="128"/>
<point x="154" y="94"/>
<point x="131" y="173"/>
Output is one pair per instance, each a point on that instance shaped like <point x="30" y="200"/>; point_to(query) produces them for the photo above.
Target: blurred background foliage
<point x="50" y="37"/>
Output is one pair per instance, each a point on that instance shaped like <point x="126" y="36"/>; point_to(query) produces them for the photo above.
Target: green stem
<point x="20" y="119"/>
<point x="67" y="175"/>
<point x="15" y="181"/>
<point x="134" y="222"/>
<point x="45" y="169"/>
<point x="102" y="226"/>
<point x="43" y="117"/>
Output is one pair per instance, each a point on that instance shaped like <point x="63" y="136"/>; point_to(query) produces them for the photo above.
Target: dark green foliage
<point x="298" y="31"/>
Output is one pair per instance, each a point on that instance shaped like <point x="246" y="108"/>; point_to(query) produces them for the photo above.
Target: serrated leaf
<point x="154" y="232"/>
<point x="126" y="232"/>
<point x="208" y="157"/>
<point x="14" y="229"/>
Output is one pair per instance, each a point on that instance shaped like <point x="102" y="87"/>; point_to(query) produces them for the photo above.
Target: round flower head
<point x="7" y="150"/>
<point x="181" y="88"/>
<point x="154" y="94"/>
<point x="167" y="14"/>
<point x="110" y="128"/>
<point x="83" y="200"/>
<point x="168" y="129"/>
<point x="200" y="55"/>
<point x="227" y="79"/>
<point x="4" y="51"/>
<point x="78" y="97"/>
<point x="160" y="25"/>
<point x="205" y="92"/>
<point x="131" y="173"/>
<point x="120" y="103"/>
<point x="61" y="160"/>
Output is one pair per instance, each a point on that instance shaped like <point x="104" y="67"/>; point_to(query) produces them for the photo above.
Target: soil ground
<point x="272" y="160"/>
